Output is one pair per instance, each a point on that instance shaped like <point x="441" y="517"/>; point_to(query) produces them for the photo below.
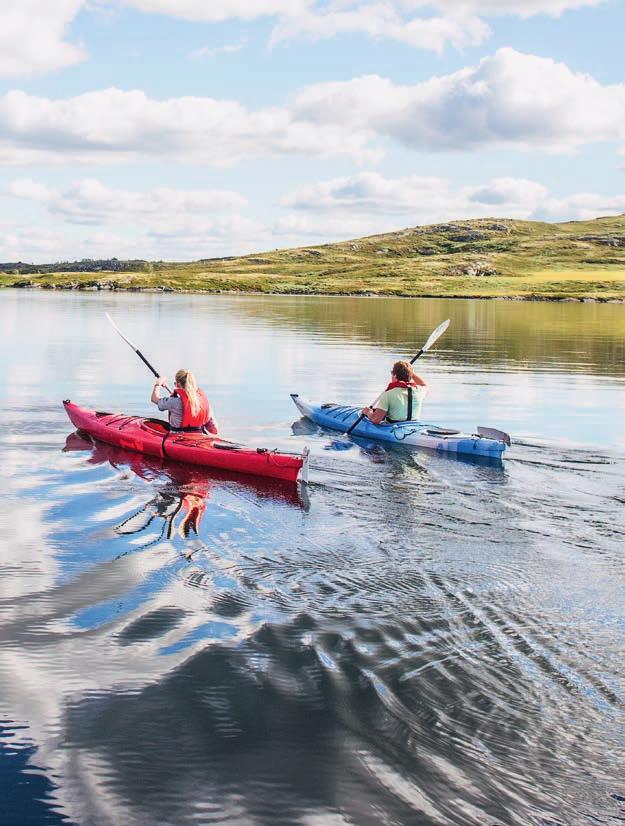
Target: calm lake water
<point x="414" y="640"/>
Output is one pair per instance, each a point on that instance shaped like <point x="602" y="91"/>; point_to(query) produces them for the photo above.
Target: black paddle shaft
<point x="135" y="349"/>
<point x="147" y="363"/>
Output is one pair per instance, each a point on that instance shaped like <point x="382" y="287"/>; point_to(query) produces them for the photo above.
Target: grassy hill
<point x="477" y="258"/>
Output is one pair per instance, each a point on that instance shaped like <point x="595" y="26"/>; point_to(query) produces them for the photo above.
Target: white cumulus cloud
<point x="509" y="99"/>
<point x="581" y="206"/>
<point x="112" y="125"/>
<point x="91" y="202"/>
<point x="375" y="202"/>
<point x="517" y="8"/>
<point x="383" y="20"/>
<point x="214" y="11"/>
<point x="34" y="33"/>
<point x="459" y="23"/>
<point x="418" y="198"/>
<point x="294" y="229"/>
<point x="32" y="36"/>
<point x="224" y="236"/>
<point x="157" y="223"/>
<point x="504" y="191"/>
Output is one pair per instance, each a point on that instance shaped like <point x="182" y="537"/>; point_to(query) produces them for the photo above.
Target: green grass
<point x="527" y="259"/>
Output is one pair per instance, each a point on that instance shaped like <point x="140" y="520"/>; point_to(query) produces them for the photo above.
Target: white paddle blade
<point x="116" y="328"/>
<point x="436" y="335"/>
<point x="493" y="433"/>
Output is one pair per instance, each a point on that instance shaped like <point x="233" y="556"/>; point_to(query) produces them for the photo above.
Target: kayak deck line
<point x="154" y="437"/>
<point x="486" y="442"/>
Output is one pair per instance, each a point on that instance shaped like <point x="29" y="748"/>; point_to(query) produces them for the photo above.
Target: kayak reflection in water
<point x="402" y="399"/>
<point x="180" y="511"/>
<point x="181" y="504"/>
<point x="181" y="501"/>
<point x="188" y="407"/>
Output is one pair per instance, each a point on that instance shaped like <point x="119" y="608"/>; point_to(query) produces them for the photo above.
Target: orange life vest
<point x="204" y="414"/>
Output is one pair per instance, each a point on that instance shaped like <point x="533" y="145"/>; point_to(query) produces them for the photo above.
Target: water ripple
<point x="415" y="640"/>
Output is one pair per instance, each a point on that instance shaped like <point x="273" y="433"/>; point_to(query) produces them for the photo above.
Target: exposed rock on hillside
<point x="606" y="242"/>
<point x="476" y="268"/>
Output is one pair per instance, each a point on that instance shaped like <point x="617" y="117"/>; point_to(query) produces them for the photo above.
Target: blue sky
<point x="185" y="129"/>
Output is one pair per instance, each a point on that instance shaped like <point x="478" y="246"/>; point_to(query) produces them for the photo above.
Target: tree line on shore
<point x="84" y="265"/>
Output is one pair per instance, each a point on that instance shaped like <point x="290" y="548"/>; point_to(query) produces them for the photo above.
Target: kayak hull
<point x="153" y="438"/>
<point x="413" y="434"/>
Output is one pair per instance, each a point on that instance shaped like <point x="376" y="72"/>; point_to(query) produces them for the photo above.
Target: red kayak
<point x="153" y="437"/>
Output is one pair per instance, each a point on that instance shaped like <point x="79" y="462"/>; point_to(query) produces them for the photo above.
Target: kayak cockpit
<point x="156" y="426"/>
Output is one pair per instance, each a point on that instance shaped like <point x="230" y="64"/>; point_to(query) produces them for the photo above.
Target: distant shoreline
<point x="562" y="299"/>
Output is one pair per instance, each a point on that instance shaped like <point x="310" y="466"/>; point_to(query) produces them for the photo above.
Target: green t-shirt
<point x="395" y="402"/>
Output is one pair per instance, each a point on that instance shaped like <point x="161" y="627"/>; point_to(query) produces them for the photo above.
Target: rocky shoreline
<point x="112" y="286"/>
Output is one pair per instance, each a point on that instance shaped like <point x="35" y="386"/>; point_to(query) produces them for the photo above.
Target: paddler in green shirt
<point x="402" y="399"/>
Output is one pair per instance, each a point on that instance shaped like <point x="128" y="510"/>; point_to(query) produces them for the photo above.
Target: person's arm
<point x="155" y="397"/>
<point x="418" y="380"/>
<point x="376" y="414"/>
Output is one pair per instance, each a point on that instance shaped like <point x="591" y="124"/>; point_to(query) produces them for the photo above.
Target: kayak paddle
<point x="434" y="336"/>
<point x="136" y="349"/>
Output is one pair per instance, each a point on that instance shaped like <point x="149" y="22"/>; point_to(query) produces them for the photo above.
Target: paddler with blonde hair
<point x="188" y="407"/>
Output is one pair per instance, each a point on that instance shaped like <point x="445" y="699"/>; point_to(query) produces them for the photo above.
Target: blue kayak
<point x="486" y="442"/>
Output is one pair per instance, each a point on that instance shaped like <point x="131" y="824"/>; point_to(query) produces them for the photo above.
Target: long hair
<point x="186" y="380"/>
<point x="403" y="370"/>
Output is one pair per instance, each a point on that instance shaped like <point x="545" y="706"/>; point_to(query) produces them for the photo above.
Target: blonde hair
<point x="186" y="380"/>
